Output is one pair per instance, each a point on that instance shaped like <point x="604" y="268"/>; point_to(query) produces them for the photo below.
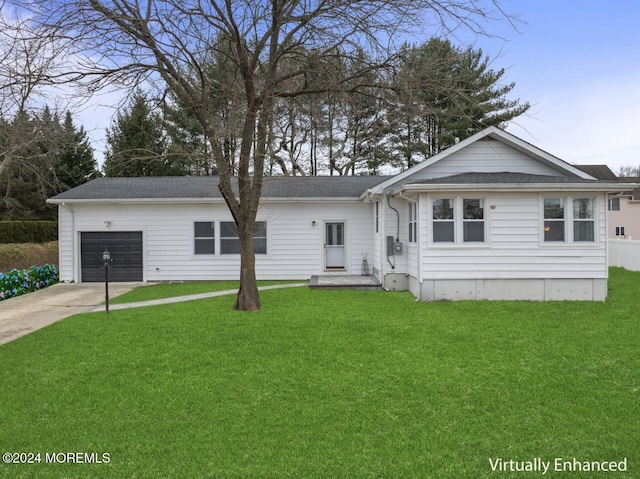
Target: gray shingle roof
<point x="206" y="187"/>
<point x="501" y="178"/>
<point x="602" y="172"/>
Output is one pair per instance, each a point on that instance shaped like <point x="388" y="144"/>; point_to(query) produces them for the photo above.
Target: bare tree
<point x="628" y="171"/>
<point x="162" y="43"/>
<point x="30" y="62"/>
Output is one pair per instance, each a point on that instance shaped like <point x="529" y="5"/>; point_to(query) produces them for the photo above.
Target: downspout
<point x="418" y="243"/>
<point x="393" y="264"/>
<point x="397" y="215"/>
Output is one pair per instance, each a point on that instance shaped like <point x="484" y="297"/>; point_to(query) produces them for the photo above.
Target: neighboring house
<point x="624" y="210"/>
<point x="623" y="205"/>
<point x="492" y="217"/>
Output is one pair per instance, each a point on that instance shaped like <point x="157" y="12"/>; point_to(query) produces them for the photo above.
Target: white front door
<point x="334" y="246"/>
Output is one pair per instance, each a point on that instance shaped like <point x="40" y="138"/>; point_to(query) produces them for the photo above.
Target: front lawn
<point x="170" y="290"/>
<point x="325" y="384"/>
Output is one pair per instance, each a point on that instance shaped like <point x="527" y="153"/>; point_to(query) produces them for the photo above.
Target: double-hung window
<point x="204" y="237"/>
<point x="473" y="220"/>
<point x="570" y="219"/>
<point x="230" y="240"/>
<point x="413" y="222"/>
<point x="554" y="219"/>
<point x="458" y="220"/>
<point x="583" y="220"/>
<point x="443" y="220"/>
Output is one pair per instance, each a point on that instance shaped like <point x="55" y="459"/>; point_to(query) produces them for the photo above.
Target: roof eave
<point x="508" y="187"/>
<point x="56" y="201"/>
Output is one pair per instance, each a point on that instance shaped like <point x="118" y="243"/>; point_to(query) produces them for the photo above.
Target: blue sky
<point x="576" y="62"/>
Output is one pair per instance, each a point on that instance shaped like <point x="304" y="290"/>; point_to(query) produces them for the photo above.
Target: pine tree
<point x="137" y="145"/>
<point x="76" y="164"/>
<point x="443" y="94"/>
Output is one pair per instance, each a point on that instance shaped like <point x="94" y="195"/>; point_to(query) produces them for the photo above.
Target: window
<point x="459" y="220"/>
<point x="553" y="219"/>
<point x="620" y="231"/>
<point x="230" y="242"/>
<point x="413" y="223"/>
<point x="473" y="220"/>
<point x="204" y="237"/>
<point x="377" y="209"/>
<point x="614" y="204"/>
<point x="443" y="220"/>
<point x="583" y="220"/>
<point x="569" y="220"/>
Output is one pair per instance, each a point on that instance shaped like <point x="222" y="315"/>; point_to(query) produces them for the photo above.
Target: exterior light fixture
<point x="106" y="257"/>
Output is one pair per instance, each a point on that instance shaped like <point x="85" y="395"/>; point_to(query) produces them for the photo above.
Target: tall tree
<point x="76" y="164"/>
<point x="30" y="62"/>
<point x="137" y="145"/>
<point x="48" y="157"/>
<point x="444" y="93"/>
<point x="164" y="42"/>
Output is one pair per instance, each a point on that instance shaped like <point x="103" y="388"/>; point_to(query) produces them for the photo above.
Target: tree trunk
<point x="248" y="298"/>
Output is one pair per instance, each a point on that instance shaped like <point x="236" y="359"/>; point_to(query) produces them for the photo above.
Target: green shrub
<point x="28" y="231"/>
<point x="21" y="281"/>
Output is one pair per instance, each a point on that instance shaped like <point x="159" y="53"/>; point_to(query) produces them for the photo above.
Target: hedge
<point x="28" y="231"/>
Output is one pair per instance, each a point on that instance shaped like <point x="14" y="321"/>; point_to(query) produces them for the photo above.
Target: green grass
<point x="325" y="384"/>
<point x="170" y="290"/>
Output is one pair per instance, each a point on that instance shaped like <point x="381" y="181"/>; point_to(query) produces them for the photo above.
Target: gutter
<point x="53" y="201"/>
<point x="510" y="187"/>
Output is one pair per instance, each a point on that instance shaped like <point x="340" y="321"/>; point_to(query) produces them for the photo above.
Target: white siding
<point x="485" y="156"/>
<point x="401" y="232"/>
<point x="514" y="249"/>
<point x="295" y="247"/>
<point x="65" y="243"/>
<point x="375" y="256"/>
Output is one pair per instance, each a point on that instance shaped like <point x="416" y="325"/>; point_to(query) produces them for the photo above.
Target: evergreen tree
<point x="444" y="93"/>
<point x="40" y="157"/>
<point x="137" y="145"/>
<point x="76" y="164"/>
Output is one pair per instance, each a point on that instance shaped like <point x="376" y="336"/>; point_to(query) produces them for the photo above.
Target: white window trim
<point x="413" y="223"/>
<point x="217" y="222"/>
<point x="569" y="221"/>
<point x="458" y="223"/>
<point x="216" y="239"/>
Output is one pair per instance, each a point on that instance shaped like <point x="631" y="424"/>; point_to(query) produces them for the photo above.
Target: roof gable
<point x="490" y="151"/>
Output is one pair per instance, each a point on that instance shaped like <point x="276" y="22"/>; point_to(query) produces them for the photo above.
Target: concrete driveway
<point x="29" y="312"/>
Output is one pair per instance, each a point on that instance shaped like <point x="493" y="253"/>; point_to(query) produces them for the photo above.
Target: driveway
<point x="29" y="312"/>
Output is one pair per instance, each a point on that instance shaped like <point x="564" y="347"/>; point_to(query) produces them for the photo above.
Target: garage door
<point x="126" y="255"/>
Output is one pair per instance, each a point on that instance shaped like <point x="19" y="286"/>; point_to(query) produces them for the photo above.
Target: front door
<point x="334" y="246"/>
